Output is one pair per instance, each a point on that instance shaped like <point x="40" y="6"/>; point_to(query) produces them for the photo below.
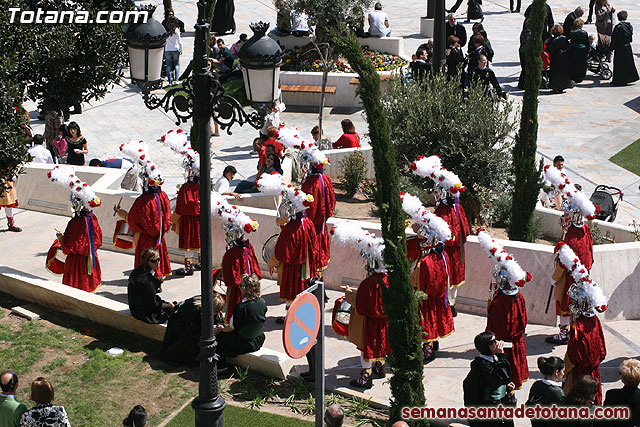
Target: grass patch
<point x="235" y="416"/>
<point x="628" y="158"/>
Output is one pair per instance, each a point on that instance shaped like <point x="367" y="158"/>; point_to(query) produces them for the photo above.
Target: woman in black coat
<point x="560" y="68"/>
<point x="524" y="37"/>
<point x="628" y="396"/>
<point x="143" y="290"/>
<point x="624" y="68"/>
<point x="223" y="20"/>
<point x="547" y="392"/>
<point x="455" y="59"/>
<point x="578" y="51"/>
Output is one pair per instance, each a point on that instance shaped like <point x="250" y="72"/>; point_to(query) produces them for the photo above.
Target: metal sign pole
<point x="319" y="358"/>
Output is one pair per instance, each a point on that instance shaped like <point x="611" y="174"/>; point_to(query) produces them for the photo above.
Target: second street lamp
<point x="203" y="97"/>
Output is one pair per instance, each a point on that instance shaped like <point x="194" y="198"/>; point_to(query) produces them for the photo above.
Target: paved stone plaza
<point x="587" y="125"/>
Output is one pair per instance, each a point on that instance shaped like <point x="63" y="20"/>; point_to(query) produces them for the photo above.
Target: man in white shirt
<point x="38" y="152"/>
<point x="379" y="22"/>
<point x="222" y="184"/>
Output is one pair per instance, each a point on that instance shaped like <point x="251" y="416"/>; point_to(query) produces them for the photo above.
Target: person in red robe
<point x="448" y="189"/>
<point x="239" y="259"/>
<point x="507" y="310"/>
<point x="321" y="188"/>
<point x="82" y="237"/>
<point x="578" y="236"/>
<point x="368" y="326"/>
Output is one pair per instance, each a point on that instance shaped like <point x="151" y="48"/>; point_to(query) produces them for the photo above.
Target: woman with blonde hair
<point x="44" y="414"/>
<point x="244" y="333"/>
<point x="629" y="395"/>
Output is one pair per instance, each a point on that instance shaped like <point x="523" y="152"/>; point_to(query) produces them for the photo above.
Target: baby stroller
<point x="603" y="196"/>
<point x="597" y="64"/>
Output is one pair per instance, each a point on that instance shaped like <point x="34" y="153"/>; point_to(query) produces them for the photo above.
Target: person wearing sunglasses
<point x="142" y="291"/>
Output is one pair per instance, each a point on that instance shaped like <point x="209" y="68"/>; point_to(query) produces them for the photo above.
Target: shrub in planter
<point x="354" y="172"/>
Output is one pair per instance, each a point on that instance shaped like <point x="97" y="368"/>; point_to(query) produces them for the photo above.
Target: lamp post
<point x="439" y="37"/>
<point x="203" y="97"/>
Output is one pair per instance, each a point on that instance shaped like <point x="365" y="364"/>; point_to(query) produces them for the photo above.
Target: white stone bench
<point x="391" y="45"/>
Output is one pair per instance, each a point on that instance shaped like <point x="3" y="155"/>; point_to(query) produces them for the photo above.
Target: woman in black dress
<point x="579" y="51"/>
<point x="524" y="38"/>
<point x="547" y="392"/>
<point x="244" y="333"/>
<point x="223" y="20"/>
<point x="560" y="68"/>
<point x="76" y="145"/>
<point x="455" y="60"/>
<point x="624" y="66"/>
<point x="143" y="290"/>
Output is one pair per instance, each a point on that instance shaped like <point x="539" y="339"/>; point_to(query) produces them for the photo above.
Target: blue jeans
<point x="172" y="58"/>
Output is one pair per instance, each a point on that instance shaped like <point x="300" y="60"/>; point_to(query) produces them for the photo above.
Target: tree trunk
<point x="399" y="300"/>
<point x="527" y="177"/>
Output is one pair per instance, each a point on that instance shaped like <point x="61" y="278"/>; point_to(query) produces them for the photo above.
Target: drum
<point x="269" y="248"/>
<point x="341" y="316"/>
<point x="122" y="235"/>
<point x="55" y="258"/>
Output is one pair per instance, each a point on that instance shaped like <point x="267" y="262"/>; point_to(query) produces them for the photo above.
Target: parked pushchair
<point x="608" y="198"/>
<point x="597" y="64"/>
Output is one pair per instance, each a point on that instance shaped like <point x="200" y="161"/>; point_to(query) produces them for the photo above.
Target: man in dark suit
<point x="628" y="396"/>
<point x="569" y="25"/>
<point x="422" y="66"/>
<point x="455" y="29"/>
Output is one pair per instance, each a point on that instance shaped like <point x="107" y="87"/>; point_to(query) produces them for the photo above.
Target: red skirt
<point x="234" y="297"/>
<point x="189" y="239"/>
<point x="376" y="339"/>
<point x="76" y="276"/>
<point x="324" y="247"/>
<point x="292" y="282"/>
<point x="456" y="266"/>
<point x="144" y="242"/>
<point x="517" y="357"/>
<point x="577" y="372"/>
<point x="436" y="319"/>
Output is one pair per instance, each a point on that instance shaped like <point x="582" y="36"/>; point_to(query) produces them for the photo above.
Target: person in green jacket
<point x="547" y="392"/>
<point x="10" y="409"/>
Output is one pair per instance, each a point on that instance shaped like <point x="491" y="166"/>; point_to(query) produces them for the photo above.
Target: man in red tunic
<point x="82" y="236"/>
<point x="296" y="251"/>
<point x="586" y="348"/>
<point x="431" y="275"/>
<point x="507" y="310"/>
<point x="240" y="258"/>
<point x="448" y="189"/>
<point x="578" y="236"/>
<point x="150" y="216"/>
<point x="186" y="219"/>
<point x="321" y="188"/>
<point x="368" y="326"/>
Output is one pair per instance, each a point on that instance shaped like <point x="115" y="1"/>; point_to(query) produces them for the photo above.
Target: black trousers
<point x="517" y="9"/>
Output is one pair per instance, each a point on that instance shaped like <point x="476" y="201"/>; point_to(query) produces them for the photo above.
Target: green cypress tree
<point x="400" y="303"/>
<point x="527" y="177"/>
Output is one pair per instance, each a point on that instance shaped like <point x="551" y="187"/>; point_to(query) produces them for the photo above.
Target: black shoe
<point x="364" y="381"/>
<point x="558" y="339"/>
<point x="518" y="10"/>
<point x="280" y="320"/>
<point x="435" y="345"/>
<point x="377" y="371"/>
<point x="454" y="312"/>
<point x="187" y="271"/>
<point x="197" y="267"/>
<point x="589" y="21"/>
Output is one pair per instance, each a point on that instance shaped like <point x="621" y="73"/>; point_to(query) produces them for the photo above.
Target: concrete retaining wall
<point x="390" y="45"/>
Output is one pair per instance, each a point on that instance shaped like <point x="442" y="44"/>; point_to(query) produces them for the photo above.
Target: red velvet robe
<point x="579" y="239"/>
<point x="413" y="248"/>
<point x="144" y="218"/>
<point x="456" y="217"/>
<point x="319" y="211"/>
<point x="507" y="318"/>
<point x="430" y="277"/>
<point x="238" y="260"/>
<point x="297" y="251"/>
<point x="188" y="207"/>
<point x="585" y="351"/>
<point x="369" y="304"/>
<point x="75" y="244"/>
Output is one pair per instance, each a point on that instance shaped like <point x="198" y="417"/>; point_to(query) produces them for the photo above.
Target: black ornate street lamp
<point x="203" y="97"/>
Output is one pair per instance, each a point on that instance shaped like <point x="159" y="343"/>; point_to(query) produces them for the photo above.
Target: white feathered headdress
<point x="430" y="224"/>
<point x="82" y="192"/>
<point x="177" y="141"/>
<point x="349" y="233"/>
<point x="445" y="180"/>
<point x="293" y="198"/>
<point x="234" y="221"/>
<point x="139" y="152"/>
<point x="506" y="267"/>
<point x="585" y="294"/>
<point x="577" y="201"/>
<point x="308" y="150"/>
